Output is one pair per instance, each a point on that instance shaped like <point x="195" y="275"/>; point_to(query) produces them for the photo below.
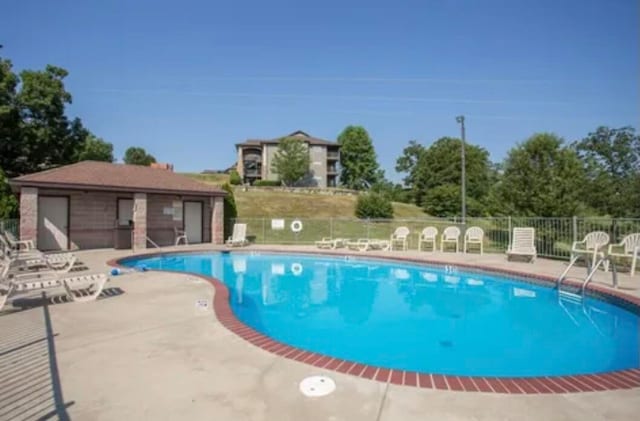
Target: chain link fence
<point x="554" y="236"/>
<point x="10" y="225"/>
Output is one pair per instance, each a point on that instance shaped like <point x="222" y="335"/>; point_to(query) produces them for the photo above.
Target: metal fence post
<point x="509" y="229"/>
<point x="575" y="228"/>
<point x="264" y="232"/>
<point x="368" y="227"/>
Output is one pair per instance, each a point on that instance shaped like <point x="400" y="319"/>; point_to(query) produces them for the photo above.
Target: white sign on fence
<point x="277" y="224"/>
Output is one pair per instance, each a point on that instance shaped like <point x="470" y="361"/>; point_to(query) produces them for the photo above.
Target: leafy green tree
<point x="440" y="165"/>
<point x="234" y="178"/>
<point x="138" y="156"/>
<point x="230" y="210"/>
<point x="611" y="159"/>
<point x="291" y="161"/>
<point x="358" y="159"/>
<point x="445" y="200"/>
<point x="408" y="163"/>
<point x="96" y="149"/>
<point x="373" y="205"/>
<point x="543" y="177"/>
<point x="8" y="202"/>
<point x="9" y="118"/>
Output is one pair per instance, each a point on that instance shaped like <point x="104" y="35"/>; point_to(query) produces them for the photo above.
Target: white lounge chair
<point x="365" y="244"/>
<point x="628" y="248"/>
<point x="180" y="235"/>
<point x="329" y="243"/>
<point x="450" y="235"/>
<point x="18" y="245"/>
<point x="400" y="238"/>
<point x="428" y="236"/>
<point x="31" y="258"/>
<point x="239" y="236"/>
<point x="591" y="247"/>
<point x="475" y="236"/>
<point x="78" y="288"/>
<point x="60" y="263"/>
<point x="523" y="244"/>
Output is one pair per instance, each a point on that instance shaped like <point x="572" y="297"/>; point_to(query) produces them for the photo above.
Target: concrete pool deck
<point x="145" y="351"/>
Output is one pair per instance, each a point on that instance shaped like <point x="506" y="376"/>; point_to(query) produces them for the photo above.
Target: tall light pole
<point x="460" y="119"/>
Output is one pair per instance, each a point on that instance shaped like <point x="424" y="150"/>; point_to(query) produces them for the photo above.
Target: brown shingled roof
<point x="96" y="175"/>
<point x="299" y="133"/>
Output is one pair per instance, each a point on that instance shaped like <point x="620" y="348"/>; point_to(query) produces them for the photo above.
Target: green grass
<point x="268" y="204"/>
<point x="215" y="179"/>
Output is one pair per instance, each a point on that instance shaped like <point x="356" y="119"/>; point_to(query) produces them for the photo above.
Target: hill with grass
<point x="257" y="203"/>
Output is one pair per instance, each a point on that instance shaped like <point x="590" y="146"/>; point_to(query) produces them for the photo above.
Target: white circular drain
<point x="315" y="386"/>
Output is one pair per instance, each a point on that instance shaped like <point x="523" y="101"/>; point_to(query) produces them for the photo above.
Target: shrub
<point x="234" y="178"/>
<point x="267" y="183"/>
<point x="373" y="205"/>
<point x="230" y="210"/>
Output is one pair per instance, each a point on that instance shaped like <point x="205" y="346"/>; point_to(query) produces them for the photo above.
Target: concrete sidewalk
<point x="147" y="352"/>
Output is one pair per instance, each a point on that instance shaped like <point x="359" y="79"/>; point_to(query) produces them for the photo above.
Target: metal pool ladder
<point x="603" y="260"/>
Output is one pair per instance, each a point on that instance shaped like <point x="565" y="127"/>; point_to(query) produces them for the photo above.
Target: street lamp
<point x="460" y="119"/>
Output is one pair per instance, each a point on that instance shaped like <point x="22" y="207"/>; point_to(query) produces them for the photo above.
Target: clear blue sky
<point x="189" y="79"/>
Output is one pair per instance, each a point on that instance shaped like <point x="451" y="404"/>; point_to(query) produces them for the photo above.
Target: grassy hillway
<point x="258" y="204"/>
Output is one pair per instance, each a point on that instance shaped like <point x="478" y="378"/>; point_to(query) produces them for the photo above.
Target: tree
<point x="373" y="205"/>
<point x="611" y="159"/>
<point x="138" y="156"/>
<point x="96" y="149"/>
<point x="234" y="178"/>
<point x="8" y="202"/>
<point x="440" y="166"/>
<point x="291" y="161"/>
<point x="230" y="210"/>
<point x="408" y="163"/>
<point x="542" y="177"/>
<point x="357" y="159"/>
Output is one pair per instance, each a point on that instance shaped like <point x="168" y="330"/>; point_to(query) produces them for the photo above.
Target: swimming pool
<point x="415" y="317"/>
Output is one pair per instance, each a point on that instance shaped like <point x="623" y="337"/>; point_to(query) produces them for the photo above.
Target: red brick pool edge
<point x="613" y="380"/>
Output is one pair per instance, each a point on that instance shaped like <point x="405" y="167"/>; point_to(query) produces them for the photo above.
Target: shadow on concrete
<point x="30" y="386"/>
<point x="25" y="303"/>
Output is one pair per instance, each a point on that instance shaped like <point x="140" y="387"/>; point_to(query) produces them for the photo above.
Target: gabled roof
<point x="298" y="133"/>
<point x="94" y="175"/>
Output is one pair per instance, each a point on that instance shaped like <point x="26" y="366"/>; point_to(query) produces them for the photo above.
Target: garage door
<point x="193" y="221"/>
<point x="53" y="218"/>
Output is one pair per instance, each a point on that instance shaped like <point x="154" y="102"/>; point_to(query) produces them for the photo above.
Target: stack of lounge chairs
<point x="23" y="269"/>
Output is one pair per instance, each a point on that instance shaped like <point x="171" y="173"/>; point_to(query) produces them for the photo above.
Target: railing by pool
<point x="554" y="236"/>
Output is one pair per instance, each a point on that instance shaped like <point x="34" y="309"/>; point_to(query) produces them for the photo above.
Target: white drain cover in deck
<point x="315" y="386"/>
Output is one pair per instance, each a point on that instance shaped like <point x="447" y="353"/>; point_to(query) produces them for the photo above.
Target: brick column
<point x="217" y="221"/>
<point x="29" y="214"/>
<point x="139" y="221"/>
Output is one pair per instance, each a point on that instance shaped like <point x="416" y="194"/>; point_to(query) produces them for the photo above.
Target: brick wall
<point x="217" y="221"/>
<point x="92" y="219"/>
<point x="92" y="216"/>
<point x="29" y="214"/>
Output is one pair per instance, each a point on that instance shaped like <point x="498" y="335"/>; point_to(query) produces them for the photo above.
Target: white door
<point x="125" y="211"/>
<point x="193" y="221"/>
<point x="53" y="216"/>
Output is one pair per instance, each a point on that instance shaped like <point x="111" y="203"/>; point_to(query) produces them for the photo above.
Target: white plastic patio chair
<point x="591" y="247"/>
<point x="400" y="237"/>
<point x="450" y="235"/>
<point x="628" y="248"/>
<point x="428" y="236"/>
<point x="180" y="235"/>
<point x="475" y="236"/>
<point x="523" y="244"/>
<point x="239" y="236"/>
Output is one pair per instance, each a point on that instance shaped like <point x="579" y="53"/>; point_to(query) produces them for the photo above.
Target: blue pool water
<point x="419" y="318"/>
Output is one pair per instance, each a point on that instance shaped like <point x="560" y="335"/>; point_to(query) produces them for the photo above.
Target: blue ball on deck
<point x="115" y="271"/>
